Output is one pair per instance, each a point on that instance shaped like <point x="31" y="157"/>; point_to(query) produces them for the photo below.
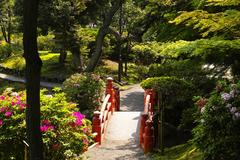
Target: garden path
<point x="22" y="80"/>
<point x="121" y="139"/>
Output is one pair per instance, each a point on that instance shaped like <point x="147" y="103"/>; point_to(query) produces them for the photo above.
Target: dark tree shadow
<point x="132" y="101"/>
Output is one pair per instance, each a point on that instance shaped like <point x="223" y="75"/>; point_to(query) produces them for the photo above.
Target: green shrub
<point x="85" y="90"/>
<point x="218" y="132"/>
<point x="190" y="70"/>
<point x="46" y="43"/>
<point x="7" y="50"/>
<point x="144" y="54"/>
<point x="170" y="86"/>
<point x="139" y="72"/>
<point x="177" y="96"/>
<point x="66" y="132"/>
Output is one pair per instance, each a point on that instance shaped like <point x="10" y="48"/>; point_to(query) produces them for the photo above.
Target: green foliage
<point x="12" y="125"/>
<point x="139" y="72"/>
<point x="204" y="51"/>
<point x="7" y="50"/>
<point x="213" y="18"/>
<point x="183" y="69"/>
<point x="223" y="2"/>
<point x="7" y="84"/>
<point x="176" y="94"/>
<point x="85" y="90"/>
<point x="146" y="53"/>
<point x="46" y="43"/>
<point x="167" y="85"/>
<point x="225" y="23"/>
<point x="190" y="70"/>
<point x="218" y="131"/>
<point x="71" y="132"/>
<point x="181" y="152"/>
<point x="66" y="132"/>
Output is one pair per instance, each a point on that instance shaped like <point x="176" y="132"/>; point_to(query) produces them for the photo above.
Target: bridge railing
<point x="146" y="125"/>
<point x="110" y="104"/>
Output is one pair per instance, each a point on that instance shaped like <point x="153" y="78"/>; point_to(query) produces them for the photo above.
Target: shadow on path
<point x="132" y="99"/>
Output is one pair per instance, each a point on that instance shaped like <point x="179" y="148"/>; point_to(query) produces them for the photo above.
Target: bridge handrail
<point x="146" y="125"/>
<point x="101" y="117"/>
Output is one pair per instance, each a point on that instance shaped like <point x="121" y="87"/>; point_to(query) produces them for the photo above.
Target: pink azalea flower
<point x="85" y="130"/>
<point x="1" y="122"/>
<point x="18" y="102"/>
<point x="45" y="128"/>
<point x="13" y="103"/>
<point x="46" y="122"/>
<point x="2" y="97"/>
<point x="46" y="125"/>
<point x="85" y="141"/>
<point x="2" y="109"/>
<point x="8" y="114"/>
<point x="22" y="106"/>
<point x="79" y="117"/>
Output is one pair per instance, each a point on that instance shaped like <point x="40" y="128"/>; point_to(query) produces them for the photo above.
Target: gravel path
<point x="132" y="99"/>
<point x="22" y="80"/>
<point x="121" y="140"/>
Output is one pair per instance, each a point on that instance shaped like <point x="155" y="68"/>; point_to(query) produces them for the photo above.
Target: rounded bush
<point x="85" y="90"/>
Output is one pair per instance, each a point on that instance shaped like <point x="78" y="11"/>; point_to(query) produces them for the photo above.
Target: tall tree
<point x="6" y="17"/>
<point x="33" y="70"/>
<point x="103" y="31"/>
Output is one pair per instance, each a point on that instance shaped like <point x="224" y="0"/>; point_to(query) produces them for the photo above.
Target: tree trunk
<point x="127" y="53"/>
<point x="9" y="29"/>
<point x="120" y="62"/>
<point x="101" y="34"/>
<point x="33" y="69"/>
<point x="62" y="57"/>
<point x="76" y="59"/>
<point x="4" y="33"/>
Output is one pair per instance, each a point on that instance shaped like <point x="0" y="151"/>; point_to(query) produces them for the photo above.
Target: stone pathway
<point x="121" y="141"/>
<point x="22" y="80"/>
<point x="132" y="99"/>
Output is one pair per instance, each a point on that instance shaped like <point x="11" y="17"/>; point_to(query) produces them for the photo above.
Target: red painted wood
<point x="144" y="117"/>
<point x="110" y="103"/>
<point x="97" y="127"/>
<point x="146" y="127"/>
<point x="148" y="137"/>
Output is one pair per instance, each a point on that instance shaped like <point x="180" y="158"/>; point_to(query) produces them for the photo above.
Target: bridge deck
<point x="121" y="138"/>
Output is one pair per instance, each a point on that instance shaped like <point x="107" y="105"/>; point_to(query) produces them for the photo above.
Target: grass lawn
<point x="180" y="152"/>
<point x="51" y="68"/>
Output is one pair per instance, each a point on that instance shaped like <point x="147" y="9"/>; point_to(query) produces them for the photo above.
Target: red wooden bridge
<point x="123" y="134"/>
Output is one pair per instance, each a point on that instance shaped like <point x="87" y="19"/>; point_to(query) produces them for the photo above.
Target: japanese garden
<point x="119" y="79"/>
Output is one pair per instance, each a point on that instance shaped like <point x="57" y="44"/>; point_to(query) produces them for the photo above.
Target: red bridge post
<point x="148" y="136"/>
<point x="117" y="98"/>
<point x="144" y="117"/>
<point x="97" y="127"/>
<point x="110" y="90"/>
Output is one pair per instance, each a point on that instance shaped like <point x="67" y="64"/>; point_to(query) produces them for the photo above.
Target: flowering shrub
<point x="85" y="90"/>
<point x="12" y="124"/>
<point x="66" y="132"/>
<point x="218" y="132"/>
